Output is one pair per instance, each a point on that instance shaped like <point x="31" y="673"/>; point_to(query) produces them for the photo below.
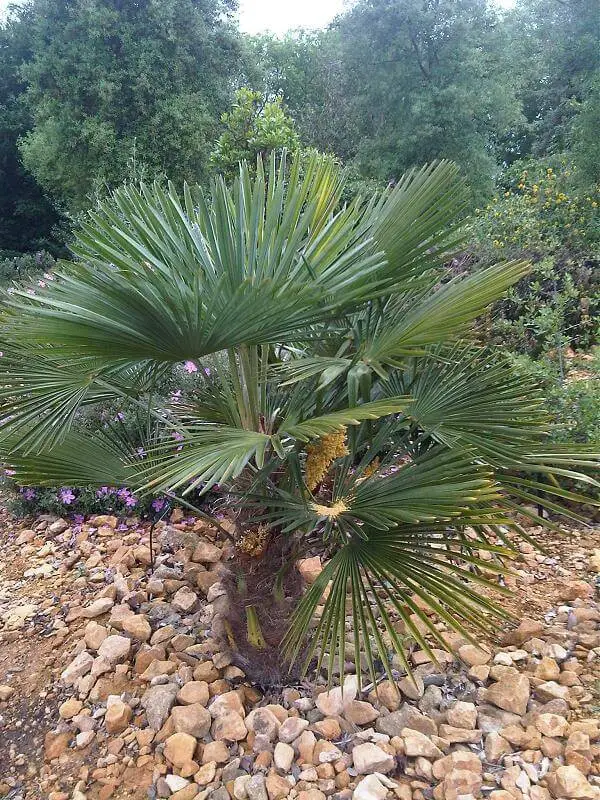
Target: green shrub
<point x="25" y="267"/>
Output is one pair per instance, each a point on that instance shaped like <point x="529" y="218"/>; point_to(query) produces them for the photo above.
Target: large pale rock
<point x="115" y="649"/>
<point x="333" y="702"/>
<point x="473" y="656"/>
<point x="369" y="758"/>
<point x="291" y="729"/>
<point x="118" y="716"/>
<point x="193" y="692"/>
<point x="551" y="724"/>
<point x="184" y="600"/>
<point x="94" y="635"/>
<point x="569" y="782"/>
<point x="359" y="712"/>
<point x="206" y="553"/>
<point x="193" y="719"/>
<point x="226" y="702"/>
<point x="138" y="627"/>
<point x="229" y="726"/>
<point x="80" y="666"/>
<point x="461" y="783"/>
<point x="407" y="716"/>
<point x="158" y="701"/>
<point x="100" y="606"/>
<point x="458" y="760"/>
<point x="510" y="693"/>
<point x="283" y="756"/>
<point x="310" y="568"/>
<point x="370" y="788"/>
<point x="462" y="715"/>
<point x="180" y="749"/>
<point x="418" y="744"/>
<point x="264" y="722"/>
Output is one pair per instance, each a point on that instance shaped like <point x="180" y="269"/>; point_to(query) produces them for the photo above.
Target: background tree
<point x="255" y="126"/>
<point x="27" y="217"/>
<point x="114" y="83"/>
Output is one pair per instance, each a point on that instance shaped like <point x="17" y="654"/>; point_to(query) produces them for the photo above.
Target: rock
<point x="118" y="716"/>
<point x="277" y="787"/>
<point x="185" y="600"/>
<point x="418" y="744"/>
<point x="473" y="656"/>
<point x="569" y="782"/>
<point x="193" y="692"/>
<point x="283" y="756"/>
<point x="55" y="744"/>
<point x="228" y="701"/>
<point x="547" y="669"/>
<point x="510" y="693"/>
<point x="180" y="749"/>
<point x="158" y="701"/>
<point x="577" y="590"/>
<point x="528" y="628"/>
<point x="550" y="690"/>
<point x="413" y="687"/>
<point x="492" y="719"/>
<point x="175" y="782"/>
<point x="58" y="527"/>
<point x="94" y="635"/>
<point x="310" y="568"/>
<point x="101" y="606"/>
<point x="461" y="783"/>
<point x="462" y="715"/>
<point x="138" y="627"/>
<point x="370" y="788"/>
<point x="6" y="692"/>
<point x="69" y="709"/>
<point x="115" y="649"/>
<point x="84" y="739"/>
<point x="80" y="666"/>
<point x="193" y="719"/>
<point x="360" y="712"/>
<point x="333" y="702"/>
<point x="551" y="724"/>
<point x="388" y="695"/>
<point x="256" y="789"/>
<point x="292" y="728"/>
<point x="206" y="553"/>
<point x="369" y="758"/>
<point x="407" y="716"/>
<point x="263" y="721"/>
<point x="229" y="726"/>
<point x="496" y="747"/>
<point x="206" y="773"/>
<point x="453" y="735"/>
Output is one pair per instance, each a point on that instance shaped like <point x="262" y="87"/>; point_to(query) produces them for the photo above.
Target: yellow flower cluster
<point x="322" y="454"/>
<point x="254" y="542"/>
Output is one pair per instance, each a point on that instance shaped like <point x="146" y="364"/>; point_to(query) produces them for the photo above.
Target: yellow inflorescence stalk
<point x="321" y="454"/>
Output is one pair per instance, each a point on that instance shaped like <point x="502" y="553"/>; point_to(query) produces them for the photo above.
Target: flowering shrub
<point x="543" y="214"/>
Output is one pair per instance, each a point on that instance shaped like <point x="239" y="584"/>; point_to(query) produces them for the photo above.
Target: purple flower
<point x="79" y="519"/>
<point x="120" y="417"/>
<point x="66" y="496"/>
<point x="177" y="436"/>
<point x="9" y="472"/>
<point x="207" y="371"/>
<point x="158" y="504"/>
<point x="42" y="284"/>
<point x="123" y="494"/>
<point x="103" y="491"/>
<point x="176" y="396"/>
<point x="190" y="367"/>
<point x="131" y="502"/>
<point x="141" y="452"/>
<point x="29" y="494"/>
<point x="122" y="526"/>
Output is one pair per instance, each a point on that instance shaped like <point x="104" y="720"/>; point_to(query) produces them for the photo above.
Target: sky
<point x="279" y="16"/>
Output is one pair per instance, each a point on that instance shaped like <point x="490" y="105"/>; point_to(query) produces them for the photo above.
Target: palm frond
<point x="336" y="420"/>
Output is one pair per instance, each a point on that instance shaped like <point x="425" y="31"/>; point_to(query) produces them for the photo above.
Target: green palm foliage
<point x="337" y="338"/>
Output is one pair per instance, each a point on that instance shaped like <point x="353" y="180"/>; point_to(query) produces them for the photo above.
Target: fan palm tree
<point x="347" y="414"/>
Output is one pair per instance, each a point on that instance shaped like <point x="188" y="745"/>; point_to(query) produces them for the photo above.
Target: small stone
<point x="496" y="746"/>
<point x="528" y="628"/>
<point x="158" y="701"/>
<point x="310" y="568"/>
<point x="369" y="758"/>
<point x="115" y="649"/>
<point x="264" y="722"/>
<point x="193" y="719"/>
<point x="185" y="600"/>
<point x="175" y="782"/>
<point x="461" y="783"/>
<point x="360" y="712"/>
<point x="333" y="702"/>
<point x="473" y="656"/>
<point x="292" y="728"/>
<point x="118" y="716"/>
<point x="193" y="692"/>
<point x="94" y="635"/>
<point x="80" y="666"/>
<point x="407" y="716"/>
<point x="101" y="606"/>
<point x="550" y="690"/>
<point x="453" y="735"/>
<point x="6" y="692"/>
<point x="206" y="553"/>
<point x="84" y="739"/>
<point x="69" y="709"/>
<point x="138" y="627"/>
<point x="551" y="724"/>
<point x="418" y="744"/>
<point x="370" y="788"/>
<point x="413" y="687"/>
<point x="575" y="590"/>
<point x="462" y="715"/>
<point x="256" y="789"/>
<point x="283" y="756"/>
<point x="277" y="787"/>
<point x="55" y="744"/>
<point x="206" y="773"/>
<point x="547" y="669"/>
<point x="179" y="749"/>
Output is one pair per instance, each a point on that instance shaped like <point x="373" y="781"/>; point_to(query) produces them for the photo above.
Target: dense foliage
<point x="346" y="412"/>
